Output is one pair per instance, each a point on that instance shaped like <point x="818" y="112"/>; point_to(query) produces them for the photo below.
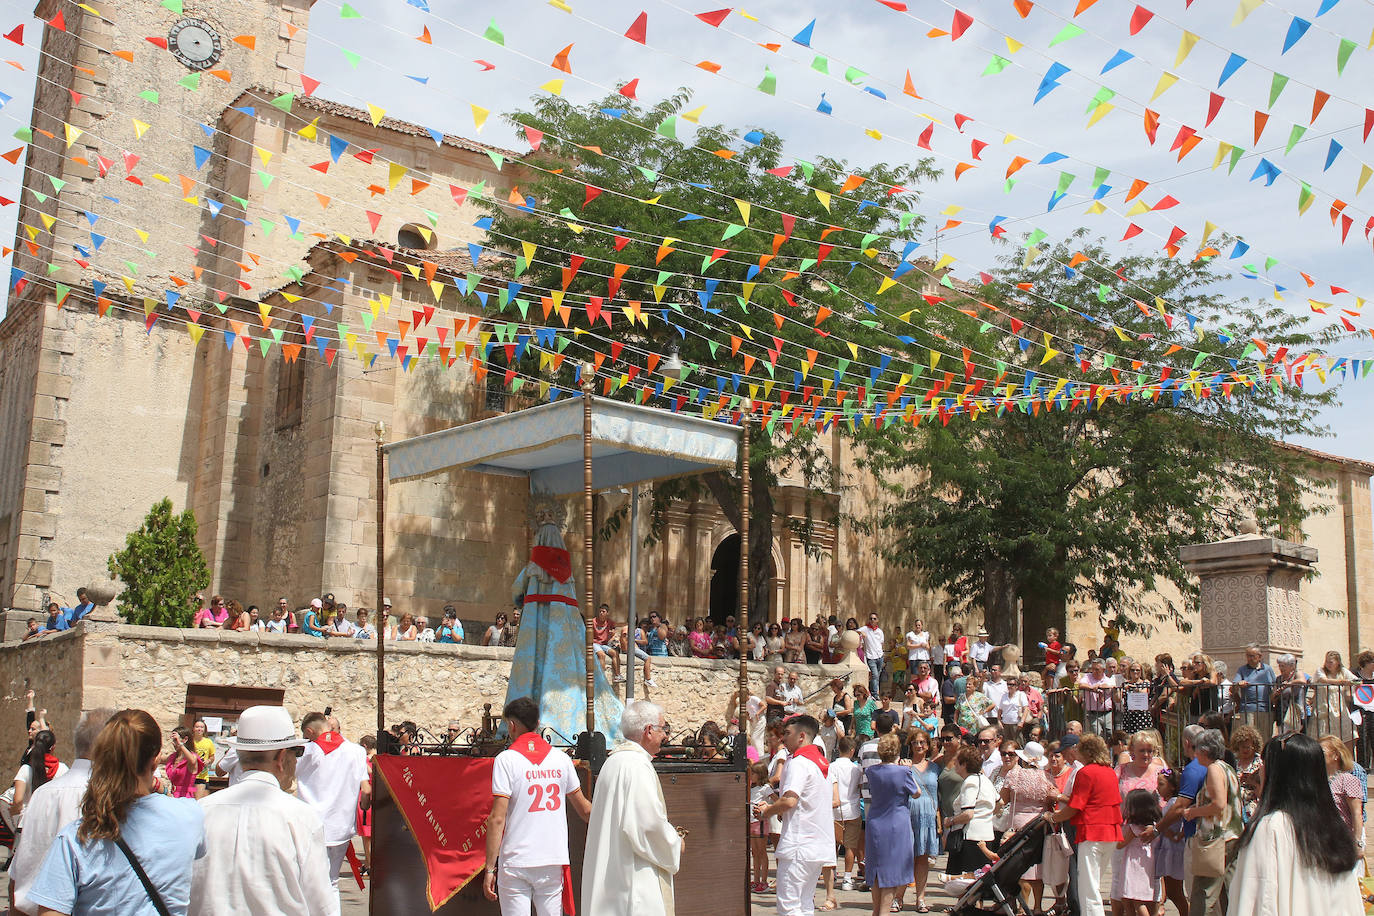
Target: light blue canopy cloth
<point x="630" y="445"/>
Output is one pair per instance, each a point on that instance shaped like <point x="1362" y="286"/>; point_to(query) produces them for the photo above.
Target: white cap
<point x="316" y="603"/>
<point x="265" y="728"/>
<point x="386" y="602"/>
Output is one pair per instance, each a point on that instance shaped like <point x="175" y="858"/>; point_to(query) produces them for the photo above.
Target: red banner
<point x="445" y="802"/>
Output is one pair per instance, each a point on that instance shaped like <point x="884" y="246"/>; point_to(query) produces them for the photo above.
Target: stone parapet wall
<point x="150" y="668"/>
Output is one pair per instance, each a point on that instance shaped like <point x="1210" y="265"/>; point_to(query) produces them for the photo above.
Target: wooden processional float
<point x="429" y="809"/>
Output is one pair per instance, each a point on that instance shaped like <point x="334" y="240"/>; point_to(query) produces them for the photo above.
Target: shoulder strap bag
<point x="153" y="895"/>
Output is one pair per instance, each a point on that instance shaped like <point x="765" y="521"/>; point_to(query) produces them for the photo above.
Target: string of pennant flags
<point x="1240" y="247"/>
<point x="202" y="164"/>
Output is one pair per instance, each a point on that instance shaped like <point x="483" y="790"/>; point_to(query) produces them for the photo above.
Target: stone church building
<point x="244" y="204"/>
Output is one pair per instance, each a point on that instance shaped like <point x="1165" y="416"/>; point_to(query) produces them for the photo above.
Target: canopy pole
<point x="587" y="544"/>
<point x="381" y="584"/>
<point x="744" y="581"/>
<point x="633" y="613"/>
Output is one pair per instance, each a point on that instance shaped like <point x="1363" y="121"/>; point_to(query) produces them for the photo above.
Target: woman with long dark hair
<point x="41" y="767"/>
<point x="1291" y="862"/>
<point x="89" y="866"/>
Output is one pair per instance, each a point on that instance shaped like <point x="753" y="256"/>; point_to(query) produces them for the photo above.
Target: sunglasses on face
<point x="987" y="740"/>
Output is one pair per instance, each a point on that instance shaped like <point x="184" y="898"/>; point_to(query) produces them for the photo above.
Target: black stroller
<point x="998" y="891"/>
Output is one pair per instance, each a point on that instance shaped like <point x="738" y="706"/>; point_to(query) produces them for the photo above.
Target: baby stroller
<point x="998" y="890"/>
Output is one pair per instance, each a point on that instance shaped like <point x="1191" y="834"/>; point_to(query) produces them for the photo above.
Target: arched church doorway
<point x="725" y="580"/>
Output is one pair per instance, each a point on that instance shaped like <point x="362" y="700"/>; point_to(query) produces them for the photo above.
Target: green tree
<point x="162" y="568"/>
<point x="1040" y="502"/>
<point x="742" y="237"/>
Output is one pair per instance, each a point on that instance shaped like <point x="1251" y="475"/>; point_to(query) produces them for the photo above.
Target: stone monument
<point x="1249" y="593"/>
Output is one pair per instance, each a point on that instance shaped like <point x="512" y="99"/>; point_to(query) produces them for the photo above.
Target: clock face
<point x="195" y="43"/>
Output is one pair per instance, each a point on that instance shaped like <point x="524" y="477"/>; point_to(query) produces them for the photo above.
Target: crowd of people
<point x="1165" y="773"/>
<point x="129" y="826"/>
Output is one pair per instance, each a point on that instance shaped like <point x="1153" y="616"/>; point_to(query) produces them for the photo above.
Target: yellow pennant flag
<point x="875" y="134"/>
<point x="1096" y="207"/>
<point x="886" y="285"/>
<point x="1223" y="150"/>
<point x="694" y="115"/>
<point x="1013" y="45"/>
<point x="394" y="173"/>
<point x="1100" y="112"/>
<point x="140" y="128"/>
<point x="72" y="134"/>
<point x="1208" y="227"/>
<point x="1138" y="207"/>
<point x="1245" y="8"/>
<point x="744" y="207"/>
<point x="479" y="116"/>
<point x="951" y="210"/>
<point x="853" y="349"/>
<point x="195" y="331"/>
<point x="553" y="86"/>
<point x="1365" y="172"/>
<point x="377" y="113"/>
<point x="264" y="155"/>
<point x="309" y="131"/>
<point x="1166" y="80"/>
<point x="437" y="288"/>
<point x="1185" y="47"/>
<point x="824" y="198"/>
<point x="945" y="261"/>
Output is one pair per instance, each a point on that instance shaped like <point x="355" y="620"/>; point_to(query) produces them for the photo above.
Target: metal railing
<point x="1312" y="708"/>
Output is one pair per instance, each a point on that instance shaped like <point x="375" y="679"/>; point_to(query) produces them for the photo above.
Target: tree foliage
<point x="711" y="298"/>
<point x="162" y="568"/>
<point x="1046" y="503"/>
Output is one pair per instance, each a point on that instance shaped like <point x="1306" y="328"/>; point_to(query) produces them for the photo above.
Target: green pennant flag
<point x="432" y="217"/>
<point x="524" y="307"/>
<point x="649" y="174"/>
<point x="821" y="65"/>
<point x="807" y="168"/>
<point x="1293" y="137"/>
<point x="869" y="239"/>
<point x="1236" y="153"/>
<point x="806" y="264"/>
<point x="731" y="231"/>
<point x="493" y="33"/>
<point x="190" y="81"/>
<point x="353" y="58"/>
<point x="1343" y="55"/>
<point x="1102" y="291"/>
<point x="905" y="220"/>
<point x="149" y="95"/>
<point x="1102" y="97"/>
<point x="284" y="101"/>
<point x="496" y="158"/>
<point x="667" y="127"/>
<point x="264" y="344"/>
<point x="1305" y="198"/>
<point x="854" y="75"/>
<point x="1199" y="359"/>
<point x="348" y="12"/>
<point x="769" y="84"/>
<point x="1035" y="237"/>
<point x="1100" y="176"/>
<point x="1065" y="179"/>
<point x="1067" y="33"/>
<point x="1269" y="263"/>
<point x="1276" y="88"/>
<point x="267" y="226"/>
<point x="174" y="5"/>
<point x="996" y="65"/>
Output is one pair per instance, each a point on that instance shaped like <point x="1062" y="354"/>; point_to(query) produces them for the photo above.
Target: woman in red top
<point x="1094" y="807"/>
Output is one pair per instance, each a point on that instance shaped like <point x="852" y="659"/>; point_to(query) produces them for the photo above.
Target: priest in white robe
<point x="632" y="851"/>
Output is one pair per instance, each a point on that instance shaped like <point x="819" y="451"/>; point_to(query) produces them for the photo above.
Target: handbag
<point x="1055" y="859"/>
<point x="954" y="841"/>
<point x="153" y="895"/>
<point x="1209" y="856"/>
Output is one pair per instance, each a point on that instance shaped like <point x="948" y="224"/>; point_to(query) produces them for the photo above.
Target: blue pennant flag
<point x="337" y="145"/>
<point x="1296" y="29"/>
<point x="202" y="155"/>
<point x="1233" y="63"/>
<point x="803" y="37"/>
<point x="1119" y="58"/>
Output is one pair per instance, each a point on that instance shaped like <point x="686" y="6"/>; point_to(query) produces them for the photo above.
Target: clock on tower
<point x="195" y="43"/>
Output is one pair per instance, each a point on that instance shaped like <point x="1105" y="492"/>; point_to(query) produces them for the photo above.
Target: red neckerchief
<point x="50" y="763"/>
<point x="532" y="747"/>
<point x="553" y="561"/>
<point x="330" y="741"/>
<point x="813" y="753"/>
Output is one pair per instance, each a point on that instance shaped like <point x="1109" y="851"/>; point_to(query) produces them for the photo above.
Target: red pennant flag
<point x="638" y="29"/>
<point x="459" y="194"/>
<point x="1213" y="106"/>
<point x="16" y="34"/>
<point x="1139" y="19"/>
<point x="591" y="195"/>
<point x="373" y="219"/>
<point x="620" y="242"/>
<point x="1175" y="237"/>
<point x="60" y="23"/>
<point x="630" y="88"/>
<point x="534" y="137"/>
<point x="788" y="221"/>
<point x="714" y="18"/>
<point x="309" y="85"/>
<point x="593" y="309"/>
<point x="960" y="25"/>
<point x="1261" y="119"/>
<point x="1131" y="232"/>
<point x="366" y="155"/>
<point x="1368" y="122"/>
<point x="156" y="39"/>
<point x="1165" y="203"/>
<point x="960" y="120"/>
<point x="976" y="149"/>
<point x="923" y="141"/>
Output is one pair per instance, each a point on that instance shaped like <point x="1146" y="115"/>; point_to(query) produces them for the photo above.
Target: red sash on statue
<point x="330" y="742"/>
<point x="553" y="561"/>
<point x="813" y="753"/>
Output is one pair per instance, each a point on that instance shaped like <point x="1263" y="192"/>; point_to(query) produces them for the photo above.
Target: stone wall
<point x="150" y="668"/>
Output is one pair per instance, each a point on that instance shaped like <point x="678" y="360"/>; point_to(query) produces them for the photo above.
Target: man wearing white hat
<point x="265" y="850"/>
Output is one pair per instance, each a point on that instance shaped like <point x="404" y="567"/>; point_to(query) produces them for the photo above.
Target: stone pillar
<point x="1249" y="594"/>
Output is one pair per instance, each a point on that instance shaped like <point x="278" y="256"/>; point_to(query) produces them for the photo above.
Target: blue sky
<point x="885" y="44"/>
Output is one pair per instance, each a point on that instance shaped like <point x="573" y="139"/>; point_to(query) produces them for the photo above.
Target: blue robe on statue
<point x="550" y="653"/>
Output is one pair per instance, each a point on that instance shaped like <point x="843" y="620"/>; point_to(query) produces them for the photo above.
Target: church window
<point x="412" y="235"/>
<point x="290" y="393"/>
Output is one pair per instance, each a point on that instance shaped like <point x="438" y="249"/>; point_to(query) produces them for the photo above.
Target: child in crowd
<point x="845" y="774"/>
<point x="1052" y="647"/>
<point x="1139" y="885"/>
<point x="278" y="622"/>
<point x="760" y="793"/>
<point x="1169" y="844"/>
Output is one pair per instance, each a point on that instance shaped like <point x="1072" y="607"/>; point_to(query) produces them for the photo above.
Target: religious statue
<point x="550" y="659"/>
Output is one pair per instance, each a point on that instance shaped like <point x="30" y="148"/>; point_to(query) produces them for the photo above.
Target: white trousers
<point x="797" y="887"/>
<point x="1091" y="858"/>
<point x="337" y="853"/>
<point x="539" y="885"/>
